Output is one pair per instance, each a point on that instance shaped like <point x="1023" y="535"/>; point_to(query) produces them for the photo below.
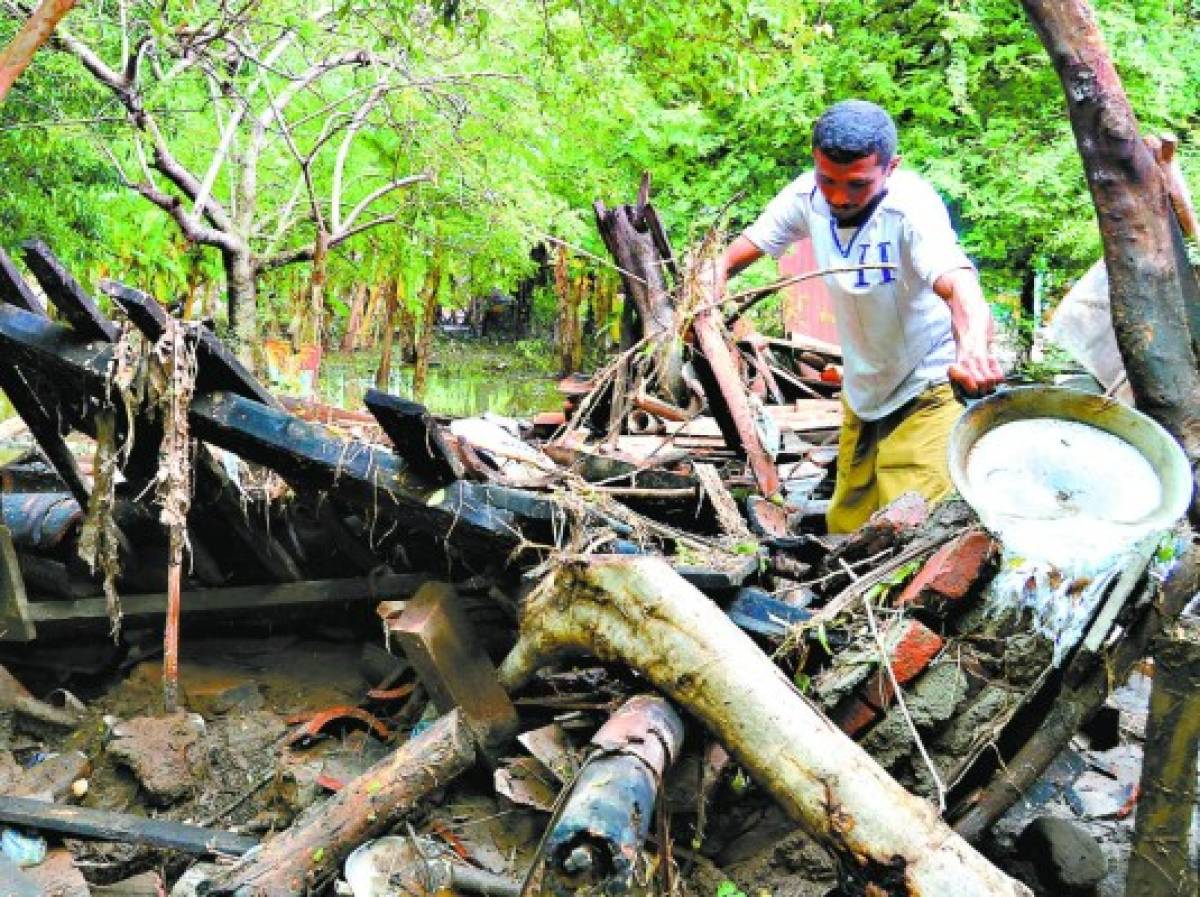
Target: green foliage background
<point x="525" y="112"/>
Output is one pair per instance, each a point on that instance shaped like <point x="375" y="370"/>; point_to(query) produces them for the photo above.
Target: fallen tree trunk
<point x="639" y="612"/>
<point x="1146" y="283"/>
<point x="311" y="851"/>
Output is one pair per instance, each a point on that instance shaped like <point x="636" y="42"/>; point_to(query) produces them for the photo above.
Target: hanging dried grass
<point x="99" y="537"/>
<point x="174" y="376"/>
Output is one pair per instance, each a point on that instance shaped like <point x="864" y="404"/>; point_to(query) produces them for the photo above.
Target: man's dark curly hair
<point x="854" y="129"/>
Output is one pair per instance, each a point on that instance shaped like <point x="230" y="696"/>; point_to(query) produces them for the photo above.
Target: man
<point x="910" y="311"/>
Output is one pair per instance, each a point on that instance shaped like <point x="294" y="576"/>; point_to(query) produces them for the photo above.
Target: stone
<point x="1067" y="859"/>
<point x="951" y="573"/>
<point x="57" y="876"/>
<point x="165" y="753"/>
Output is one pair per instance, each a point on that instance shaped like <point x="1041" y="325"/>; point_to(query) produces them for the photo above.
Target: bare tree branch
<point x="192" y="229"/>
<point x="366" y="201"/>
<point x="306" y="253"/>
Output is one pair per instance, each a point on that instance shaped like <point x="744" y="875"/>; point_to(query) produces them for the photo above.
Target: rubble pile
<point x="608" y="651"/>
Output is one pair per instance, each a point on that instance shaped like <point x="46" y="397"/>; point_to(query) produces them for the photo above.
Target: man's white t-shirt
<point x="894" y="329"/>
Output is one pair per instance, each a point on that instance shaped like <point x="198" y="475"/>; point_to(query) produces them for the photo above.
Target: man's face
<point x="849" y="187"/>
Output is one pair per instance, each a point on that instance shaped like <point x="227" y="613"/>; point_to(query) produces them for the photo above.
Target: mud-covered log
<point x="1146" y="283"/>
<point x="1160" y="863"/>
<point x="597" y="839"/>
<point x="299" y="859"/>
<point x="639" y="612"/>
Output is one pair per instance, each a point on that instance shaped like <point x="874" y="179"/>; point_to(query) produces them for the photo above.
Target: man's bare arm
<point x="740" y="255"/>
<point x="975" y="369"/>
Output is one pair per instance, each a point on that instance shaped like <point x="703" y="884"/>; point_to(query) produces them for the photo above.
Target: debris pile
<point x="605" y="645"/>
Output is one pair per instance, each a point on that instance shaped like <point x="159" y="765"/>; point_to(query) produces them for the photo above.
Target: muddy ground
<point x="239" y="760"/>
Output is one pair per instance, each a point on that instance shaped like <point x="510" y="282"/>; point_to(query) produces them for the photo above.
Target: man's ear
<point x="891" y="166"/>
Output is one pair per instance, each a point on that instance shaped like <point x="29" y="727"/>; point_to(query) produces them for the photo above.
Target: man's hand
<point x="976" y="374"/>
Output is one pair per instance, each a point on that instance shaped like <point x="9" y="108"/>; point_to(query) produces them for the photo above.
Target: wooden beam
<point x="216" y="367"/>
<point x="726" y="393"/>
<point x="45" y="430"/>
<point x="317" y="591"/>
<point x="481" y="520"/>
<point x="104" y="825"/>
<point x="16" y="624"/>
<point x="14" y="290"/>
<point x="417" y="437"/>
<point x="468" y="515"/>
<point x="72" y="301"/>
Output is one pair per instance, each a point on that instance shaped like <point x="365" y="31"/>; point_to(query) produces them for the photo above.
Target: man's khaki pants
<point x="879" y="460"/>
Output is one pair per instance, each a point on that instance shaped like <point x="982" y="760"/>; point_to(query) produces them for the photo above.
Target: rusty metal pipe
<point x="597" y="839"/>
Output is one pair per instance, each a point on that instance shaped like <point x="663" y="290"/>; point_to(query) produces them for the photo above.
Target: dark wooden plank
<point x="72" y="301"/>
<point x="416" y="436"/>
<point x="44" y="429"/>
<point x="319" y="591"/>
<point x="104" y="825"/>
<point x="368" y="477"/>
<point x="215" y="494"/>
<point x="217" y="367"/>
<point x="14" y="290"/>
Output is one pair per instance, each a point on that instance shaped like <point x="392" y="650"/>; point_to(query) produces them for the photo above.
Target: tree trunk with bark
<point x="406" y="332"/>
<point x="391" y="301"/>
<point x="1160" y="863"/>
<point x="242" y="303"/>
<point x="639" y="612"/>
<point x="360" y="296"/>
<point x="1147" y="286"/>
<point x="571" y="294"/>
<point x="304" y="857"/>
<point x="431" y="292"/>
<point x="629" y="235"/>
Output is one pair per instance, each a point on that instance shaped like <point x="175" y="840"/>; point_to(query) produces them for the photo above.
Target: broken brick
<point x="917" y="647"/>
<point x="888" y="527"/>
<point x="440" y="643"/>
<point x="912" y="653"/>
<point x="907" y="511"/>
<point x="853" y="715"/>
<point x="952" y="571"/>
